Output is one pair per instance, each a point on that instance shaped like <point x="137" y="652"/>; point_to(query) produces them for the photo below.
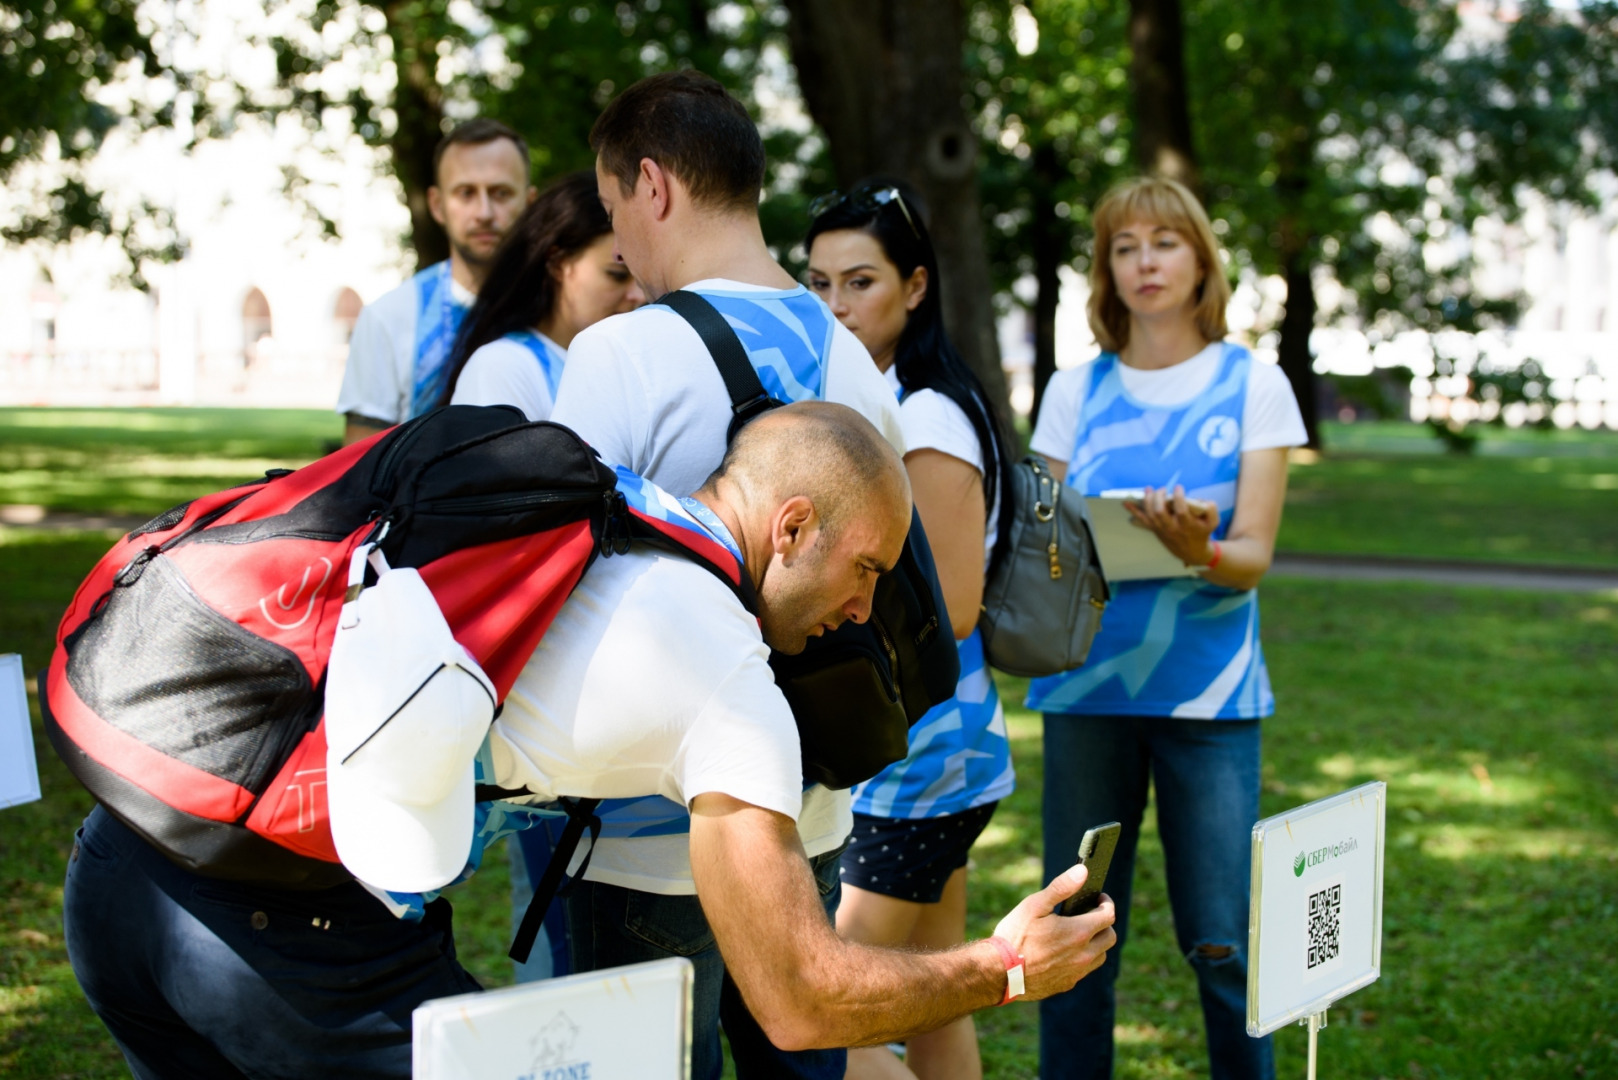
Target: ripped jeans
<point x="1206" y="773"/>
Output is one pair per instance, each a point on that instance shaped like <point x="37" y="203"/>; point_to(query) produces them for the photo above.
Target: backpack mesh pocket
<point x="160" y="665"/>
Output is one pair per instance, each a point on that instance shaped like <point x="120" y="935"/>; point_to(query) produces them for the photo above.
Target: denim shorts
<point x="911" y="859"/>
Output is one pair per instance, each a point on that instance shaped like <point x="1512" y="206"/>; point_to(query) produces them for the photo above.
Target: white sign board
<point x="1315" y="931"/>
<point x="19" y="774"/>
<point x="625" y="1023"/>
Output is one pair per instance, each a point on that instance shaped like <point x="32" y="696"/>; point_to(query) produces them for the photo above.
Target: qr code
<point x="1325" y="925"/>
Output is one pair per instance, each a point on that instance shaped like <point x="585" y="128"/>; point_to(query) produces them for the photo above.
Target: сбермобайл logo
<point x="1305" y="859"/>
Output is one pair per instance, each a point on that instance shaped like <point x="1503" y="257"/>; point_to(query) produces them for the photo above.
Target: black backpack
<point x="854" y="692"/>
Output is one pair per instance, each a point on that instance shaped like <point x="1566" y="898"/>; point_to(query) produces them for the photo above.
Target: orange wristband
<point x="1015" y="987"/>
<point x="1219" y="553"/>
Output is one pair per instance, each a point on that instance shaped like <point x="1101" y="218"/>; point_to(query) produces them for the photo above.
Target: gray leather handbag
<point x="1042" y="603"/>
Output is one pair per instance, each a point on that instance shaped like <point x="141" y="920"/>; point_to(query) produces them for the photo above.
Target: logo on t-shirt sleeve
<point x="1220" y="435"/>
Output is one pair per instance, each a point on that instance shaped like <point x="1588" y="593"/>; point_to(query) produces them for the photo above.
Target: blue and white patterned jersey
<point x="959" y="755"/>
<point x="439" y="315"/>
<point x="787" y="336"/>
<point x="547" y="354"/>
<point x="1179" y="646"/>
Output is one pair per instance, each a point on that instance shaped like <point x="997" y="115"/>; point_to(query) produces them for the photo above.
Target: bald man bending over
<point x="653" y="679"/>
<point x="817" y="504"/>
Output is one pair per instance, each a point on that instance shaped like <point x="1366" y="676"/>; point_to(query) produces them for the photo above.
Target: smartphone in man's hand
<point x="1095" y="853"/>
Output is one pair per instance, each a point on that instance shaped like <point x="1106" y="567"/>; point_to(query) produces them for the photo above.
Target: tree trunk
<point x="884" y="80"/>
<point x="418" y="104"/>
<point x="1296" y="326"/>
<point x="1162" y="108"/>
<point x="1049" y="241"/>
<point x="1295" y="156"/>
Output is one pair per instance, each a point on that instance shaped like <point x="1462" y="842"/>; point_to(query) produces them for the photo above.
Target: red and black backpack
<point x="187" y="687"/>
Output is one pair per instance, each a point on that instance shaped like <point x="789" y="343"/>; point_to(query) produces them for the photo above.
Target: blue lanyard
<point x="711" y="522"/>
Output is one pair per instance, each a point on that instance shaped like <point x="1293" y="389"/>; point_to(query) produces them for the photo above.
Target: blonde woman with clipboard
<point x="1175" y="685"/>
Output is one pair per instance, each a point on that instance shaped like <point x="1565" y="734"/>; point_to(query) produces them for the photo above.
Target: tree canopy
<point x="1356" y="142"/>
<point x="57" y="61"/>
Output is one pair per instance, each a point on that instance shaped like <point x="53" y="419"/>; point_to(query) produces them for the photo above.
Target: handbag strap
<point x="748" y="398"/>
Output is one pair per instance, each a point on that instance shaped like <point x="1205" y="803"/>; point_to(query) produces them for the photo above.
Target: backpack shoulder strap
<point x="706" y="553"/>
<point x="748" y="398"/>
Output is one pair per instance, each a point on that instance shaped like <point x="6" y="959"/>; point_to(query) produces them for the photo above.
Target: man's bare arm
<point x="810" y="988"/>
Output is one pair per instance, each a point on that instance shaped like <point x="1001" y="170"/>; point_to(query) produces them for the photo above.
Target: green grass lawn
<point x="1489" y="715"/>
<point x="1527" y="496"/>
<point x="142" y="461"/>
<point x="1384" y="489"/>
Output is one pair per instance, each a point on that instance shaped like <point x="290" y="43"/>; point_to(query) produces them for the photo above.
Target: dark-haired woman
<point x="904" y="872"/>
<point x="555" y="275"/>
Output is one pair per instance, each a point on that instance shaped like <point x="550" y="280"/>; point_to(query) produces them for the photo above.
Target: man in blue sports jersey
<point x="402" y="340"/>
<point x="680" y="167"/>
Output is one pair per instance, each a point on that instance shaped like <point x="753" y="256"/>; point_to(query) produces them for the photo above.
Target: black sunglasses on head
<point x="865" y="200"/>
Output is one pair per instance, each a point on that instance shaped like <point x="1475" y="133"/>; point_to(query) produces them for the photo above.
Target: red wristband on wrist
<point x="1218" y="554"/>
<point x="1014" y="975"/>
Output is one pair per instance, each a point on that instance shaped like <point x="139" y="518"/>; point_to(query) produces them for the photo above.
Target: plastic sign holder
<point x="631" y="1022"/>
<point x="1314" y="933"/>
<point x="19" y="772"/>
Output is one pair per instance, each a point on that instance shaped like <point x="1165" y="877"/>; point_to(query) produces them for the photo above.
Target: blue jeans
<point x="207" y="979"/>
<point x="1206" y="772"/>
<point x="608" y="926"/>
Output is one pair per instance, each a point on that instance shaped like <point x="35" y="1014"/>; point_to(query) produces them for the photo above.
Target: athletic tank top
<point x="1176" y="646"/>
<point x="438" y="319"/>
<point x="959" y="755"/>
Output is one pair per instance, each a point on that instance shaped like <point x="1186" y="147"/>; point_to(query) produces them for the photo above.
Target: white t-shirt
<point x="505" y="372"/>
<point x="642" y="390"/>
<point x="1270" y="415"/>
<point x="934" y="422"/>
<point x="653" y="679"/>
<point x="381" y="372"/>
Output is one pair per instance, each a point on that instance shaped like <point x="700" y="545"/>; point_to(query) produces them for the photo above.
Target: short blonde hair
<point x="1169" y="203"/>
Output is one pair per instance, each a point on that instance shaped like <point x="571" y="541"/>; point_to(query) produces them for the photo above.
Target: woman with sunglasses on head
<point x="1175" y="684"/>
<point x="904" y="872"/>
<point x="555" y="274"/>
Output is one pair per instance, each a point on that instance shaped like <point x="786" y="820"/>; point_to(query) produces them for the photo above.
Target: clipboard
<point x="1128" y="552"/>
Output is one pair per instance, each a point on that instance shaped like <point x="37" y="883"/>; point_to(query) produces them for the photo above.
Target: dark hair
<point x="476" y="132"/>
<point x="925" y="358"/>
<point x="693" y="128"/>
<point x="521" y="288"/>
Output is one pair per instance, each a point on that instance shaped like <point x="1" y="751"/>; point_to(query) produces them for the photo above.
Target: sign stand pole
<point x="1316" y="1021"/>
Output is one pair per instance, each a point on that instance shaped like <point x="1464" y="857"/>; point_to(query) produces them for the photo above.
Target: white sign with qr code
<point x="1315" y="929"/>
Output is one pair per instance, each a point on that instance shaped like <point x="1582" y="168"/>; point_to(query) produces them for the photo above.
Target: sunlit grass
<point x="141" y="461"/>
<point x="1559" y="507"/>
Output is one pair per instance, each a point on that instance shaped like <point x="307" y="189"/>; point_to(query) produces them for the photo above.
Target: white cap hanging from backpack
<point x="407" y="708"/>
